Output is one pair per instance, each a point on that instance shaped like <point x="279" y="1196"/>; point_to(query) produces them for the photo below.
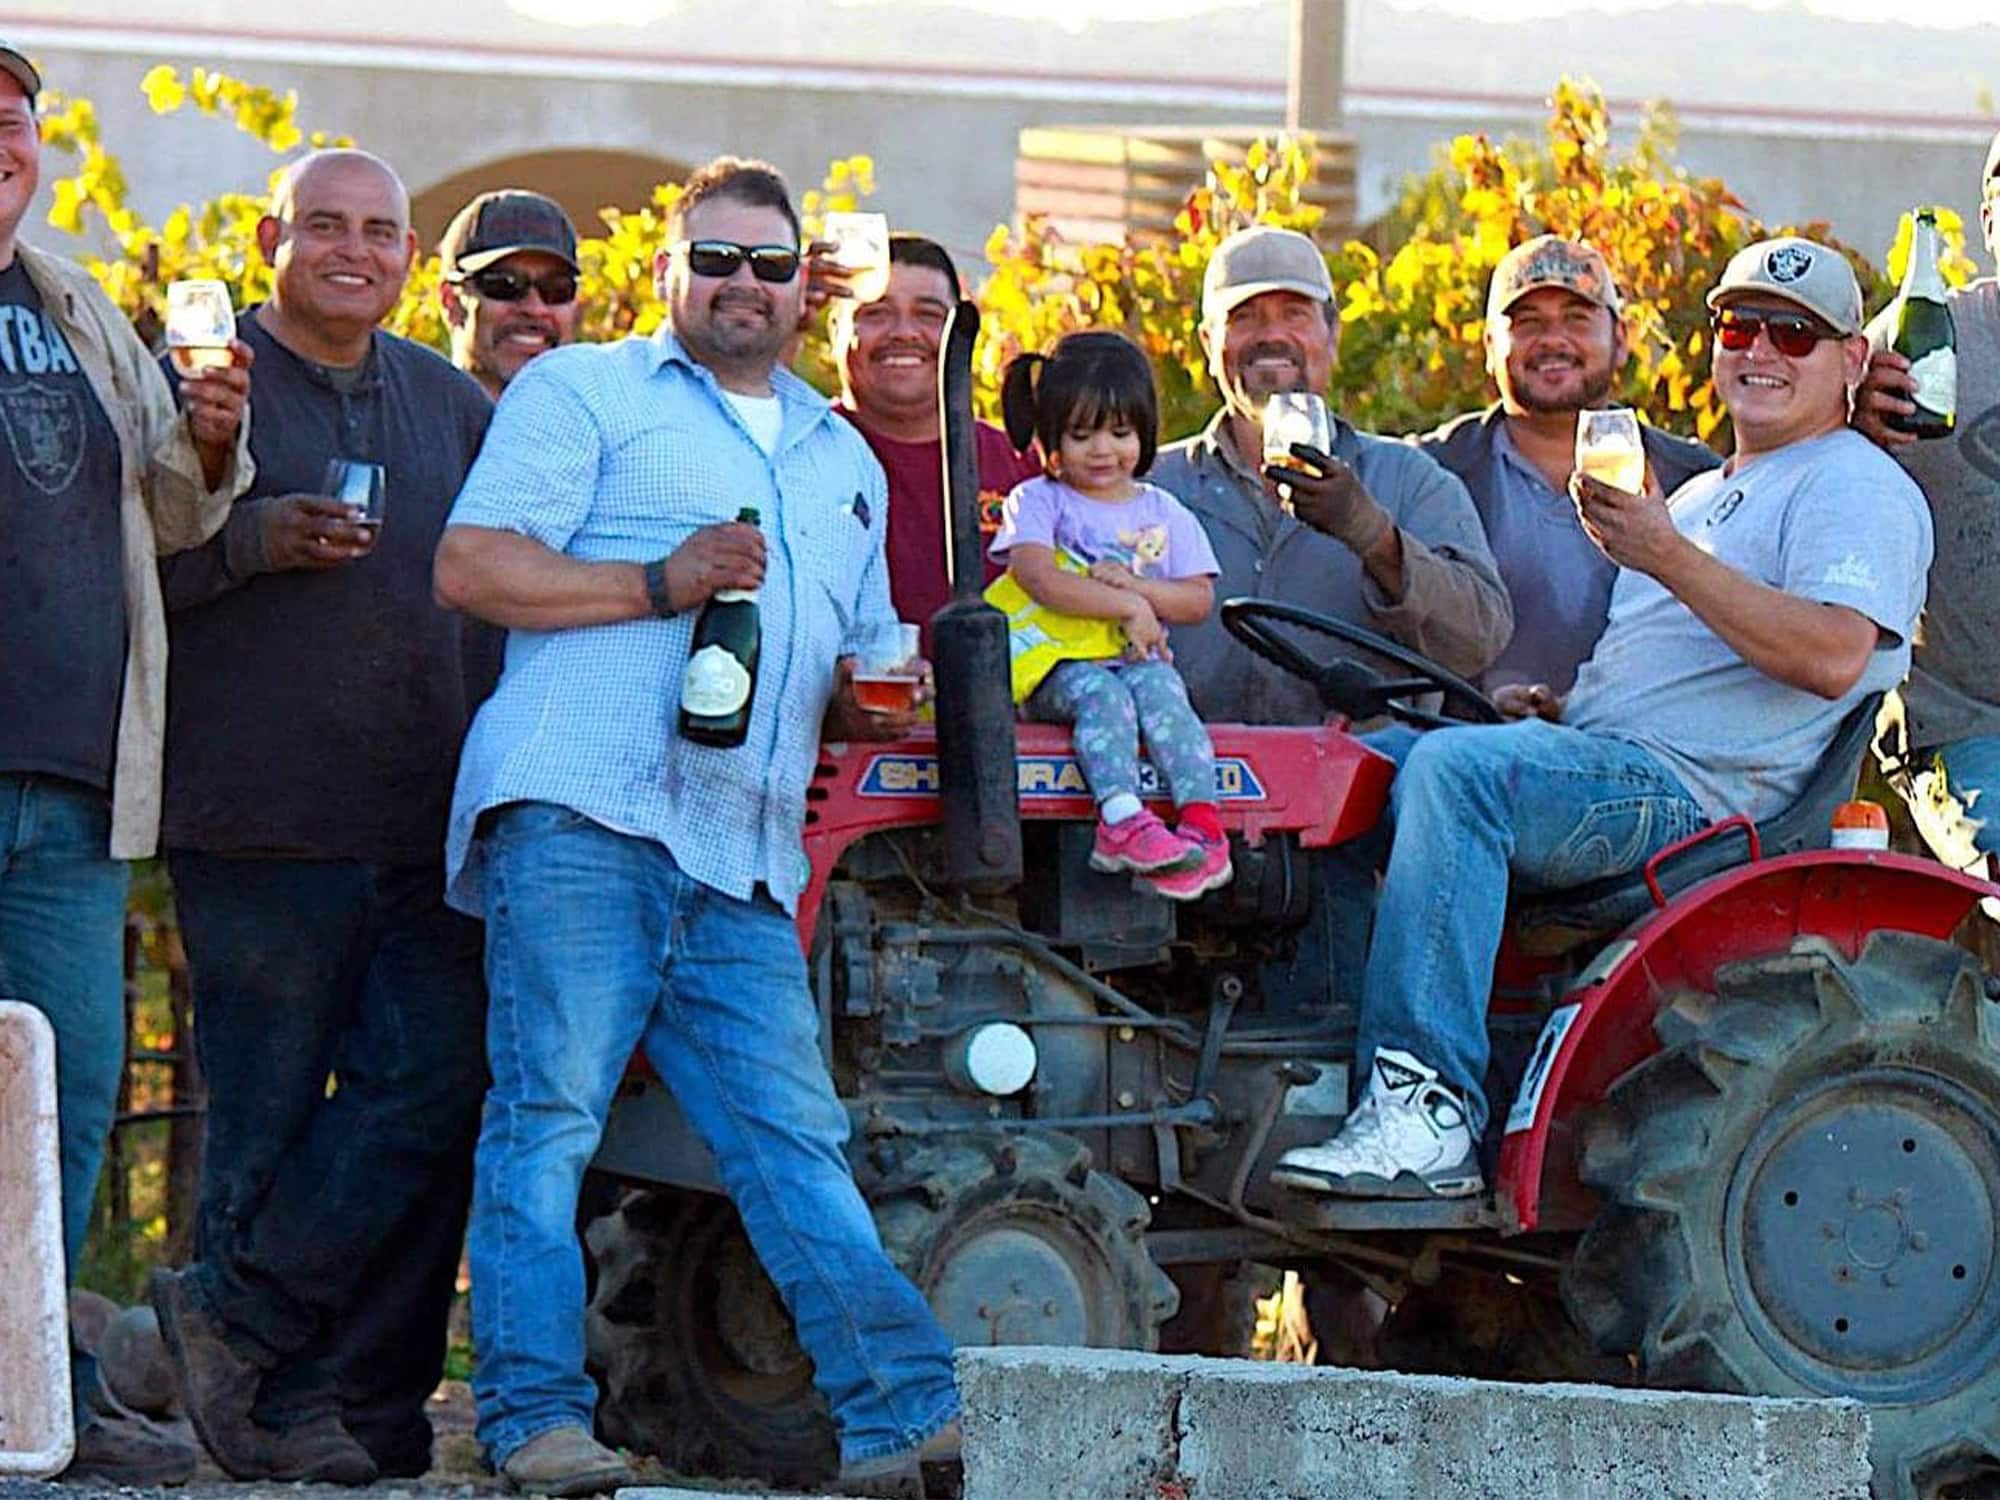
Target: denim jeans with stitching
<point x="598" y="943"/>
<point x="1548" y="805"/>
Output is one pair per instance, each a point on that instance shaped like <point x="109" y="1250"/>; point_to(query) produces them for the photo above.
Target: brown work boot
<point x="900" y="1476"/>
<point x="319" y="1451"/>
<point x="130" y="1453"/>
<point x="565" y="1461"/>
<point x="218" y="1385"/>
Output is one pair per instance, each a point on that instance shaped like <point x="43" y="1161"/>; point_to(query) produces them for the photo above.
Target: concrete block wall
<point x="1114" y="1425"/>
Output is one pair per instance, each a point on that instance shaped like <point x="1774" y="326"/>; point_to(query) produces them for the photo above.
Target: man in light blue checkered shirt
<point x="637" y="887"/>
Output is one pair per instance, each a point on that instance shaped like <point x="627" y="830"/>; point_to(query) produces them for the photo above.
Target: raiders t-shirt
<point x="62" y="590"/>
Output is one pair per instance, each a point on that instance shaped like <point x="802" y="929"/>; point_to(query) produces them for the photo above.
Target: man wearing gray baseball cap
<point x="103" y="472"/>
<point x="1373" y="532"/>
<point x="509" y="288"/>
<point x="1940" y="741"/>
<point x="1750" y="616"/>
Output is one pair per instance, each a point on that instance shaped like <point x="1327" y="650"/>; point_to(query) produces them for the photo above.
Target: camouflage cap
<point x="1550" y="260"/>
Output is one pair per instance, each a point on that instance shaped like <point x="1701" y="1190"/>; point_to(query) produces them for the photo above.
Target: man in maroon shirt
<point x="887" y="351"/>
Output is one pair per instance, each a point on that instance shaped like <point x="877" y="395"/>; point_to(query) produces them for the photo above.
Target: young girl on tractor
<point x="1099" y="564"/>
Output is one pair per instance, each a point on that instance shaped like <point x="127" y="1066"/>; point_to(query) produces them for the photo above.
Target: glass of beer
<point x="200" y="326"/>
<point x="1608" y="450"/>
<point x="889" y="673"/>
<point x="1295" y="417"/>
<point x="860" y="253"/>
<point x="357" y="484"/>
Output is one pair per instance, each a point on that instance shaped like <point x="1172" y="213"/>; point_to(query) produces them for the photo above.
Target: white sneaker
<point x="1408" y="1138"/>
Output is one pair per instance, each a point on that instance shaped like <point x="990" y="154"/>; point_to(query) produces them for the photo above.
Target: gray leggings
<point x="1110" y="703"/>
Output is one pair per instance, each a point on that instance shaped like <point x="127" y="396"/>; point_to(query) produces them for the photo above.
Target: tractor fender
<point x="1604" y="1027"/>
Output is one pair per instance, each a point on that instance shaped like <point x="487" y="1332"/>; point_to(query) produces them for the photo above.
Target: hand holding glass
<point x="358" y="485"/>
<point x="200" y="326"/>
<point x="1608" y="448"/>
<point x="1295" y="417"/>
<point x="887" y="677"/>
<point x="860" y="253"/>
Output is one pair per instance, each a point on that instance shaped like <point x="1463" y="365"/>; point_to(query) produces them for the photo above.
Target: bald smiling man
<point x="317" y="698"/>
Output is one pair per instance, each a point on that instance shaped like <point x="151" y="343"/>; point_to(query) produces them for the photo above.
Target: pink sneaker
<point x="1143" y="845"/>
<point x="1184" y="885"/>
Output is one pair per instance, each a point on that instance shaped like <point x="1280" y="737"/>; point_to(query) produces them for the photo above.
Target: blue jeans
<point x="1548" y="805"/>
<point x="598" y="943"/>
<point x="62" y="950"/>
<point x="330" y="1224"/>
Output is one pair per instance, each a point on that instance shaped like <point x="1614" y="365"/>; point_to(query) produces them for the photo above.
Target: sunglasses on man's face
<point x="1793" y="336"/>
<point x="497" y="284"/>
<point x="720" y="259"/>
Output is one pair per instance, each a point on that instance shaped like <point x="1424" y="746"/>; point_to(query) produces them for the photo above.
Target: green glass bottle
<point x="1925" y="337"/>
<point x="719" y="682"/>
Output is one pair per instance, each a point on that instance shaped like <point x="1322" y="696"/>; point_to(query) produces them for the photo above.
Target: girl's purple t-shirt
<point x="1153" y="534"/>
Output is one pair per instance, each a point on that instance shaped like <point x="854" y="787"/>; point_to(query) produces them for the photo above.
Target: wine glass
<point x="860" y="252"/>
<point x="1608" y="448"/>
<point x="200" y="326"/>
<point x="1295" y="417"/>
<point x="357" y="484"/>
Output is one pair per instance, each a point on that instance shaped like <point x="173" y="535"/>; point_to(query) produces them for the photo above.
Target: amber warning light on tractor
<point x="1860" y="825"/>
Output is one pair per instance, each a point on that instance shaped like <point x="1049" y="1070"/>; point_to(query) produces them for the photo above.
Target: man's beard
<point x="1596" y="386"/>
<point x="736" y="343"/>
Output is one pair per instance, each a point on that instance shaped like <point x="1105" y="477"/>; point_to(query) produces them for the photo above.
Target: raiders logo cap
<point x="1802" y="272"/>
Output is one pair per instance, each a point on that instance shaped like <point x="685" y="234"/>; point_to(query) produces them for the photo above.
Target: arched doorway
<point x="582" y="181"/>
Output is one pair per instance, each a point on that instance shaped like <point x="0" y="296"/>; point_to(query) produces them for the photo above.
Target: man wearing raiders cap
<point x="510" y="284"/>
<point x="1941" y="730"/>
<point x="1751" y="612"/>
<point x="1555" y="343"/>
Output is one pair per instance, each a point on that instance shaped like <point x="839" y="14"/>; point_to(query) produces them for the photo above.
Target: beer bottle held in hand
<point x="721" y="675"/>
<point x="1923" y="334"/>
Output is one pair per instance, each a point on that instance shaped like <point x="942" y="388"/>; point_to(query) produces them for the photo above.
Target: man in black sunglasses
<point x="510" y="284"/>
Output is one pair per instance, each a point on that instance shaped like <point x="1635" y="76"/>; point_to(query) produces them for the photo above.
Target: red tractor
<point x="1754" y="1141"/>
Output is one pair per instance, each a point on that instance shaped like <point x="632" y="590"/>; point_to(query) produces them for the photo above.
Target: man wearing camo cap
<point x="1555" y="343"/>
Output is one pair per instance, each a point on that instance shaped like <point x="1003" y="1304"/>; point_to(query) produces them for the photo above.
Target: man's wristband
<point x="656" y="589"/>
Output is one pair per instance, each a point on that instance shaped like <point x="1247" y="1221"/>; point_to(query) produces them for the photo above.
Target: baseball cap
<point x="496" y="225"/>
<point x="1801" y="272"/>
<point x="17" y="67"/>
<point x="1262" y="258"/>
<point x="1550" y="260"/>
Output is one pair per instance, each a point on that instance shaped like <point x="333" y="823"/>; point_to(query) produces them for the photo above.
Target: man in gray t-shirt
<point x="1941" y="740"/>
<point x="1753" y="610"/>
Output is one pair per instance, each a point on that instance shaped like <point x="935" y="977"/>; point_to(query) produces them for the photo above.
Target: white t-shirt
<point x="761" y="414"/>
<point x="1833" y="519"/>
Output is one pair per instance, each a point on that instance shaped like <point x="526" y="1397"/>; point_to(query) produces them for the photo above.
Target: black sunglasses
<point x="497" y="284"/>
<point x="720" y="258"/>
<point x="1791" y="335"/>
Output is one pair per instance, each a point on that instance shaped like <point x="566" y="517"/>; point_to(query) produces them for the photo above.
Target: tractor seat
<point x="1560" y="920"/>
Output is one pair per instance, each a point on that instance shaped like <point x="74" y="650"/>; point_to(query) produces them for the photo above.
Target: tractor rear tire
<point x="1802" y="1190"/>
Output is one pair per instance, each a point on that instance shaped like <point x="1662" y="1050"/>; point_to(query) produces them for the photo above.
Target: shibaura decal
<point x="1047" y="776"/>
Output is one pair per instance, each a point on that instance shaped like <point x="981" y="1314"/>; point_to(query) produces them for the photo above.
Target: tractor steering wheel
<point x="1351" y="686"/>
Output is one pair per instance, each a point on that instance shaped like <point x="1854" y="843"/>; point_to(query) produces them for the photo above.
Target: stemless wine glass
<point x="888" y="675"/>
<point x="200" y="326"/>
<point x="860" y="252"/>
<point x="358" y="484"/>
<point x="1608" y="448"/>
<point x="1295" y="417"/>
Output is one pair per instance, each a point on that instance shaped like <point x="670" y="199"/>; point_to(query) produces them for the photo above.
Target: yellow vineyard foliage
<point x="1412" y="295"/>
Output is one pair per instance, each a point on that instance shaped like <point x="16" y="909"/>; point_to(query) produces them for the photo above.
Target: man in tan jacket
<point x="100" y="472"/>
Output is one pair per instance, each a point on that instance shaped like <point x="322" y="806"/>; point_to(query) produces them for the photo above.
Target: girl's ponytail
<point x="1018" y="390"/>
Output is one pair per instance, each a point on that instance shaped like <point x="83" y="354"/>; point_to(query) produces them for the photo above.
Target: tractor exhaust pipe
<point x="975" y="706"/>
